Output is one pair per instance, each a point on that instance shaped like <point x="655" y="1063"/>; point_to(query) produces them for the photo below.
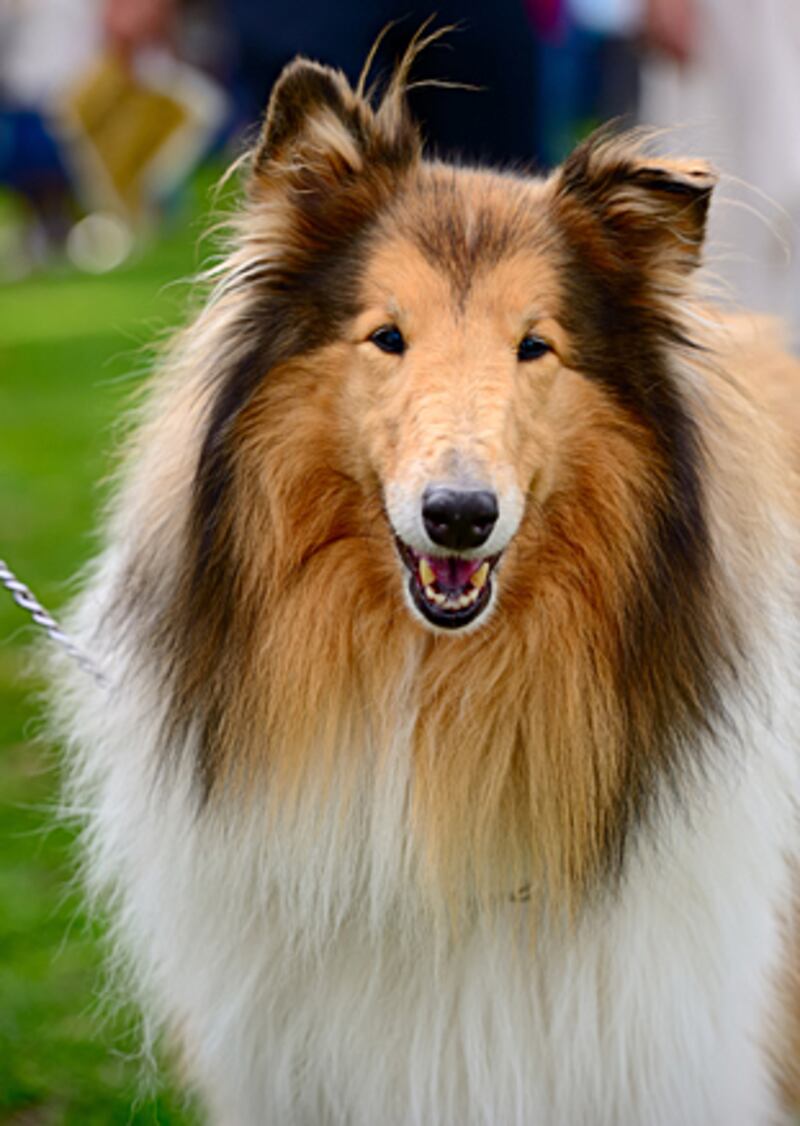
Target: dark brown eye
<point x="532" y="348"/>
<point x="389" y="338"/>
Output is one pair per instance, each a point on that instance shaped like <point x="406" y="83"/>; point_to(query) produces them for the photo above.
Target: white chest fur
<point x="310" y="989"/>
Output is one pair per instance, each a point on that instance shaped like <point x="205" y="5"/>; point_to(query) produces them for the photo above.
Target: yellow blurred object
<point x="134" y="132"/>
<point x="126" y="123"/>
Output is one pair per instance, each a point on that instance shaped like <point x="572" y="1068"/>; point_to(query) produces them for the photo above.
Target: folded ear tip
<point x="700" y="173"/>
<point x="705" y="176"/>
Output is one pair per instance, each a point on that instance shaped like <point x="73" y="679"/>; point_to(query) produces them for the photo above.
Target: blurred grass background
<point x="68" y="346"/>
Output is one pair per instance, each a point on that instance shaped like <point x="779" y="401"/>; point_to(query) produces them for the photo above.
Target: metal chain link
<point x="25" y="599"/>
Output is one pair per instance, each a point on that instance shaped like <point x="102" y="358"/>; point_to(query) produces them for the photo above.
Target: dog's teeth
<point x="426" y="574"/>
<point x="481" y="575"/>
<point x="450" y="601"/>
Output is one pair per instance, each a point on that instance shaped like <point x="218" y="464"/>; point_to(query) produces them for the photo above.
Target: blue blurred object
<point x="585" y="77"/>
<point x="30" y="157"/>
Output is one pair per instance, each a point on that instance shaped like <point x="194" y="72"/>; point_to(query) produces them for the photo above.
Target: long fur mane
<point x="264" y="578"/>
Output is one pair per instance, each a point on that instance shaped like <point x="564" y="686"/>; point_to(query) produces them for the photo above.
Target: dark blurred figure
<point x="32" y="165"/>
<point x="587" y="68"/>
<point x="491" y="48"/>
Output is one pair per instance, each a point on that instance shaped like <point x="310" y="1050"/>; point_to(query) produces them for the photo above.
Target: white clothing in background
<point x="738" y="102"/>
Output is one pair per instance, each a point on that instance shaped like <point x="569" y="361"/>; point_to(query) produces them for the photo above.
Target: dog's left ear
<point x="319" y="133"/>
<point x="654" y="211"/>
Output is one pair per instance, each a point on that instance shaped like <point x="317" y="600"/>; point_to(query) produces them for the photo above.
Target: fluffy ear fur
<point x="652" y="211"/>
<point x="319" y="133"/>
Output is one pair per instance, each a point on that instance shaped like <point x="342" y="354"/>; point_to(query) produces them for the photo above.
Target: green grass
<point x="67" y="346"/>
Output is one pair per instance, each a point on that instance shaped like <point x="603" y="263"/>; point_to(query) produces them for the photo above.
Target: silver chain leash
<point x="26" y="600"/>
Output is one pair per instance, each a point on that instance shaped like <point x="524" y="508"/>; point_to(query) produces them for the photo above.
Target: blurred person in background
<point x="727" y="72"/>
<point x="587" y="64"/>
<point x="95" y="143"/>
<point x="43" y="47"/>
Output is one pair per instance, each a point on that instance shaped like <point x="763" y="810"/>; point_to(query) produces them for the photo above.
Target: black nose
<point x="459" y="518"/>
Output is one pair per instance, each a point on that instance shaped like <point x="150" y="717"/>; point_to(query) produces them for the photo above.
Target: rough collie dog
<point x="448" y="771"/>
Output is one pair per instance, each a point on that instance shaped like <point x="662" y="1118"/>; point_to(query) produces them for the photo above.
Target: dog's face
<point x="463" y="322"/>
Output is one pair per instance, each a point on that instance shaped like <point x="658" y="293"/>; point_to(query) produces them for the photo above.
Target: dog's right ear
<point x="320" y="133"/>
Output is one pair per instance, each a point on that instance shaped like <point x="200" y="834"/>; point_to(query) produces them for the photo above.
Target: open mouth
<point x="449" y="591"/>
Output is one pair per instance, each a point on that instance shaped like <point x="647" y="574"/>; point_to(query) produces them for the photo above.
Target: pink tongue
<point x="453" y="573"/>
